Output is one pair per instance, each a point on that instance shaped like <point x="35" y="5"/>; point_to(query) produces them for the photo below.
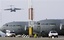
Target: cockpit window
<point x="6" y="24"/>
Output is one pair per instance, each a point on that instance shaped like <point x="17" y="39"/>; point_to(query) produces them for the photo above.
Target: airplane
<point x="42" y="27"/>
<point x="13" y="9"/>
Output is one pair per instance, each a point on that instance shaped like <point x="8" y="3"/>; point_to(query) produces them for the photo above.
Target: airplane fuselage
<point x="13" y="10"/>
<point x="41" y="27"/>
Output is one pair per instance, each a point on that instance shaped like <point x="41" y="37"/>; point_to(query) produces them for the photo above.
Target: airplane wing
<point x="17" y="8"/>
<point x="7" y="9"/>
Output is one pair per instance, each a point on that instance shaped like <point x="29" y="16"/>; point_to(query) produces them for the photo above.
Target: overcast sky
<point x="50" y="9"/>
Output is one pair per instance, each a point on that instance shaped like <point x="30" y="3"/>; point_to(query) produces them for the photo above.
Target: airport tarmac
<point x="43" y="38"/>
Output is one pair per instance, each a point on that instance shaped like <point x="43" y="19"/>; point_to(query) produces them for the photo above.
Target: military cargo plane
<point x="41" y="27"/>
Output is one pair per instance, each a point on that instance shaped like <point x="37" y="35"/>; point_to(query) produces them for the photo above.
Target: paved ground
<point x="6" y="38"/>
<point x="19" y="38"/>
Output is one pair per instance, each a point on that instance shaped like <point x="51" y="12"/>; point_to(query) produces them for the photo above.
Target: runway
<point x="9" y="38"/>
<point x="43" y="38"/>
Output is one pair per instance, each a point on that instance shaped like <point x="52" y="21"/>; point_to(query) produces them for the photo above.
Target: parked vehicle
<point x="53" y="34"/>
<point x="10" y="33"/>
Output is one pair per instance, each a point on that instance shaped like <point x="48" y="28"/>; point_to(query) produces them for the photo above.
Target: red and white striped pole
<point x="30" y="19"/>
<point x="30" y="14"/>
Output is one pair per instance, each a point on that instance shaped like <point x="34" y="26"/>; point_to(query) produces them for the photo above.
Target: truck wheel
<point x="49" y="36"/>
<point x="52" y="37"/>
<point x="57" y="36"/>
